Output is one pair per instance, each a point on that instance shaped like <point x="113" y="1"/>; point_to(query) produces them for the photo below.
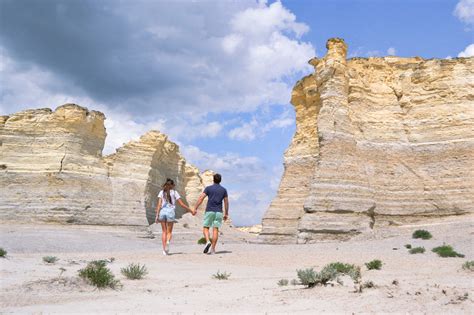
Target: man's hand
<point x="226" y="217"/>
<point x="193" y="211"/>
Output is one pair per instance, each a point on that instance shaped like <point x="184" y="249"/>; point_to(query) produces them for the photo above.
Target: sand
<point x="183" y="282"/>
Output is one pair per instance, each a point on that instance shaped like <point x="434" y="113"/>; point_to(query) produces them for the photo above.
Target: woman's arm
<point x="182" y="204"/>
<point x="158" y="208"/>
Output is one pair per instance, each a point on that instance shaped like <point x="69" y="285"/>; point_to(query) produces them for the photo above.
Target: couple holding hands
<point x="165" y="212"/>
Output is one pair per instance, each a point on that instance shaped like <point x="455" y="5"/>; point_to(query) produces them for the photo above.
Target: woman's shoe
<point x="165" y="253"/>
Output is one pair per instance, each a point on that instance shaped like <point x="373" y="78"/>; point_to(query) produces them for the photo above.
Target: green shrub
<point x="468" y="265"/>
<point x="282" y="282"/>
<point x="423" y="234"/>
<point x="99" y="275"/>
<point x="417" y="250"/>
<point x="221" y="275"/>
<point x="50" y="259"/>
<point x="294" y="282"/>
<point x="347" y="269"/>
<point x="3" y="253"/>
<point x="374" y="264"/>
<point x="202" y="241"/>
<point x="446" y="251"/>
<point x="310" y="278"/>
<point x="134" y="271"/>
<point x="408" y="246"/>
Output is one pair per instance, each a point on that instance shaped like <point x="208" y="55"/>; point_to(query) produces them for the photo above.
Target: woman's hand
<point x="157" y="217"/>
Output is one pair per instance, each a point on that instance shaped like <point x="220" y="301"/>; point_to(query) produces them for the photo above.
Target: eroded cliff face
<point x="52" y="170"/>
<point x="378" y="141"/>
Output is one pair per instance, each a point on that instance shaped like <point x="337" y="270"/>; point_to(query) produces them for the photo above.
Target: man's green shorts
<point x="213" y="219"/>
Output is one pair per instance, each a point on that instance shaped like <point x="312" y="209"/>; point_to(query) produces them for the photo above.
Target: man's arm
<point x="226" y="208"/>
<point x="198" y="203"/>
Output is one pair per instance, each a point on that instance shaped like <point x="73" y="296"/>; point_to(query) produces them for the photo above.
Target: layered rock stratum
<point x="52" y="170"/>
<point x="378" y="141"/>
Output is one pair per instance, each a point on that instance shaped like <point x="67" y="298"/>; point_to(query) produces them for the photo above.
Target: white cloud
<point x="259" y="126"/>
<point x="235" y="166"/>
<point x="465" y="11"/>
<point x="468" y="52"/>
<point x="391" y="51"/>
<point x="262" y="21"/>
<point x="245" y="132"/>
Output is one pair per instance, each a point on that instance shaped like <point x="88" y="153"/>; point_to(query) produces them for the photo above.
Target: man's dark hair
<point x="217" y="178"/>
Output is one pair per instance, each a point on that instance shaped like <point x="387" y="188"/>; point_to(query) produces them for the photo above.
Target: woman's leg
<point x="170" y="230"/>
<point x="163" y="234"/>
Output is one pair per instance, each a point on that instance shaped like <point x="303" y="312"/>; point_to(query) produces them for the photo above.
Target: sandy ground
<point x="183" y="283"/>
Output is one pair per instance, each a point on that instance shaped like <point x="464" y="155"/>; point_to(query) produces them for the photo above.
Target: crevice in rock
<point x="61" y="163"/>
<point x="371" y="213"/>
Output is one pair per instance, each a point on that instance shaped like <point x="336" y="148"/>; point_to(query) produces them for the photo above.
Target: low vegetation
<point x="423" y="234"/>
<point x="134" y="271"/>
<point x="330" y="272"/>
<point x="221" y="275"/>
<point x="374" y="264"/>
<point x="97" y="274"/>
<point x="468" y="265"/>
<point x="417" y="250"/>
<point x="294" y="282"/>
<point x="446" y="251"/>
<point x="282" y="282"/>
<point x="408" y="246"/>
<point x="202" y="241"/>
<point x="50" y="259"/>
<point x="3" y="253"/>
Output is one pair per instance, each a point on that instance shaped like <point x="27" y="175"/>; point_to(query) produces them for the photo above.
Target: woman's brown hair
<point x="167" y="190"/>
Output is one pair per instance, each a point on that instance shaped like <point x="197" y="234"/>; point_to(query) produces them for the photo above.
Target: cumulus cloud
<point x="468" y="52"/>
<point x="464" y="11"/>
<point x="146" y="57"/>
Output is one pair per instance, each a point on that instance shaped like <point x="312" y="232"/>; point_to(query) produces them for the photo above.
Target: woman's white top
<point x="174" y="197"/>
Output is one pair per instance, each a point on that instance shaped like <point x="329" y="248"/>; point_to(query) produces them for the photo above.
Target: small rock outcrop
<point x="378" y="141"/>
<point x="52" y="170"/>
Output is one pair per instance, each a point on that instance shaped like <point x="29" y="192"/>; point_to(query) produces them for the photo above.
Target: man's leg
<point x="215" y="236"/>
<point x="205" y="231"/>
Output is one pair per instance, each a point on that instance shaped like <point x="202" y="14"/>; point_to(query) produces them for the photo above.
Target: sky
<point x="216" y="76"/>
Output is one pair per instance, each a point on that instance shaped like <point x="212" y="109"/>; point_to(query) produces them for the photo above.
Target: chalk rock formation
<point x="378" y="141"/>
<point x="52" y="170"/>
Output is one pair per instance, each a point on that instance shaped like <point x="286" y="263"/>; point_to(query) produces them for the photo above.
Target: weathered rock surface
<point x="52" y="170"/>
<point x="378" y="141"/>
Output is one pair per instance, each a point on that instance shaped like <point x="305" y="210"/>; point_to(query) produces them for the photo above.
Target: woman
<point x="165" y="212"/>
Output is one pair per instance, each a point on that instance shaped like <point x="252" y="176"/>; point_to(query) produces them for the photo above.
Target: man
<point x="213" y="215"/>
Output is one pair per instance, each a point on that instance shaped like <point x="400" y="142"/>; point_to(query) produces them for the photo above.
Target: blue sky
<point x="216" y="76"/>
